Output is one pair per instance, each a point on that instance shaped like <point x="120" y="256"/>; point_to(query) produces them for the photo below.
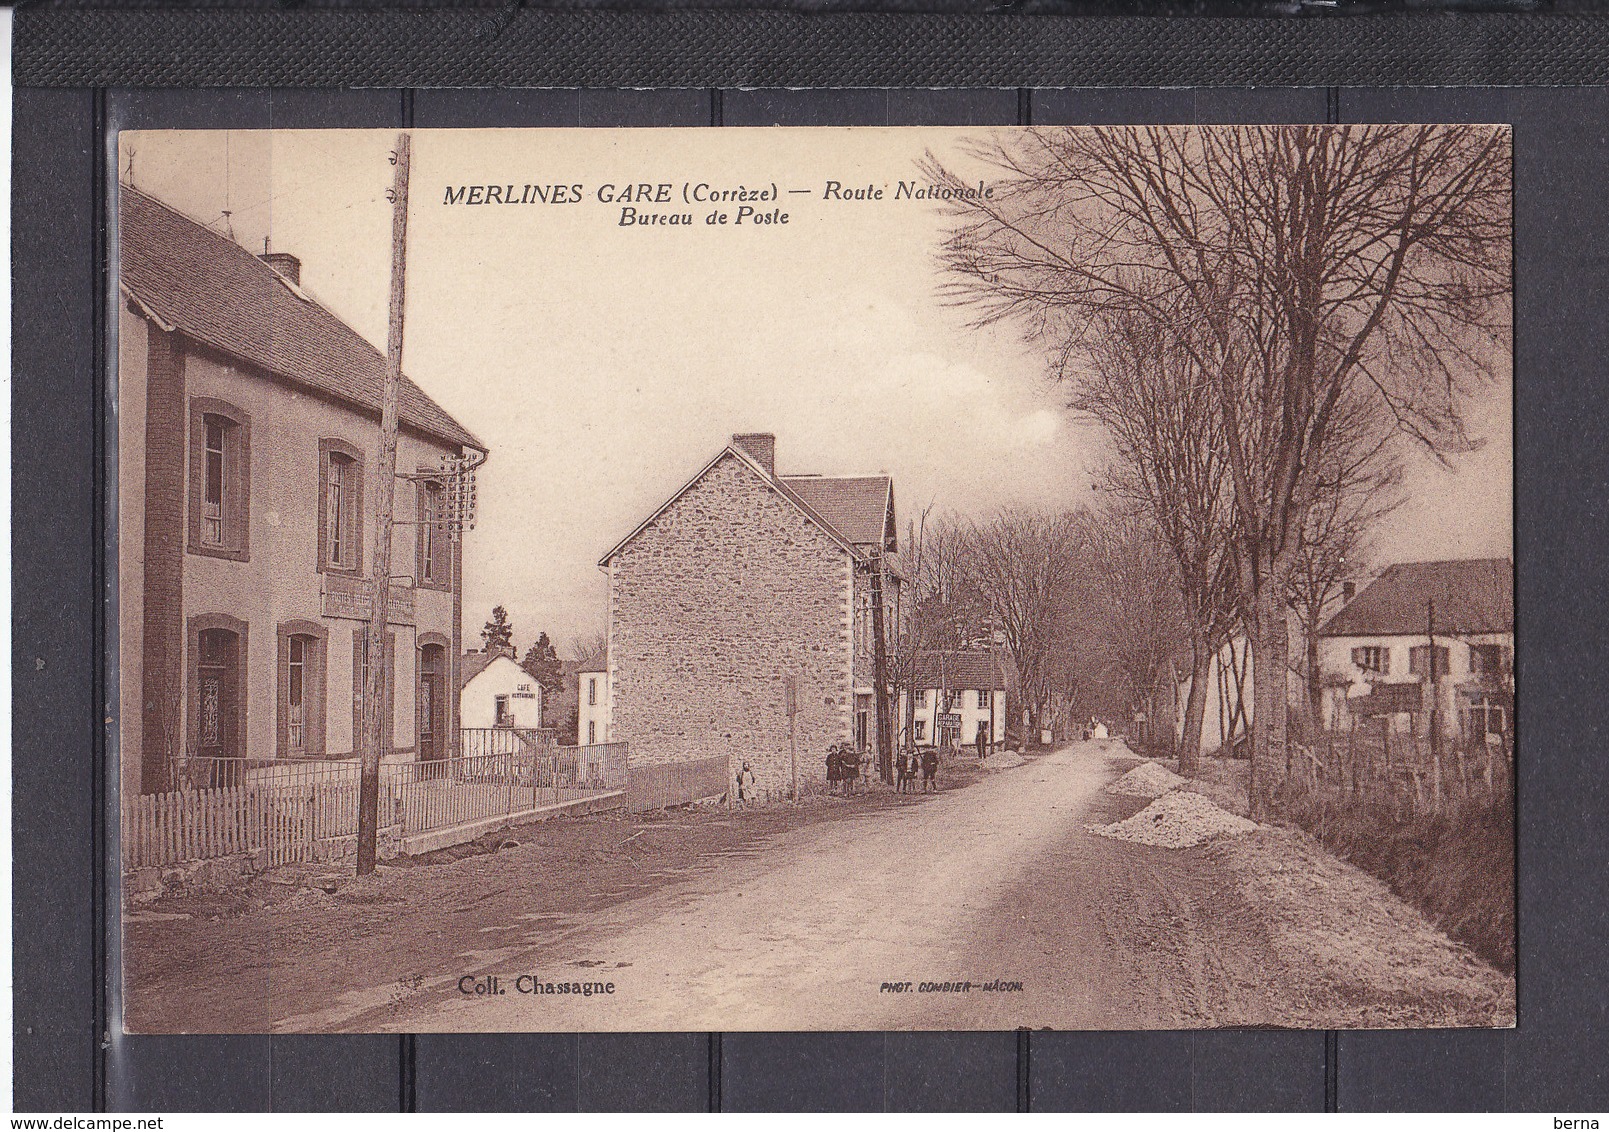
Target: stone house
<point x="248" y="420"/>
<point x="741" y="585"/>
<point x="1376" y="656"/>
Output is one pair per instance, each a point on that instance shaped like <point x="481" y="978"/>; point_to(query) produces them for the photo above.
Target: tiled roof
<point x="218" y="293"/>
<point x="473" y="663"/>
<point x="971" y="669"/>
<point x="1472" y="595"/>
<point x="856" y="506"/>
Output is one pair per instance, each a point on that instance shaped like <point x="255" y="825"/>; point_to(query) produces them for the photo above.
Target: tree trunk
<point x="1315" y="691"/>
<point x="1195" y="709"/>
<point x="1270" y="713"/>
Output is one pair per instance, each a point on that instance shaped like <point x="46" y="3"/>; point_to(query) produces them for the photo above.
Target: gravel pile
<point x="1176" y="820"/>
<point x="1148" y="780"/>
<point x="1003" y="760"/>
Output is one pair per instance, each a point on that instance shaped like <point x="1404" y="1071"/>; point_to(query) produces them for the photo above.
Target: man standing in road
<point x="982" y="740"/>
<point x="930" y="769"/>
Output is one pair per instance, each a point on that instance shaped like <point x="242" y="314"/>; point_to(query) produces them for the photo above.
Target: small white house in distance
<point x="970" y="684"/>
<point x="497" y="692"/>
<point x="592" y="708"/>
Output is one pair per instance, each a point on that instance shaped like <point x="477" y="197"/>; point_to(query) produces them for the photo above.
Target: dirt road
<point x="998" y="888"/>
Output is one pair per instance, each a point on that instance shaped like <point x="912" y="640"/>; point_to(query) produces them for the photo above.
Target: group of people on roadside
<point x="847" y="772"/>
<point x="846" y="769"/>
<point x="908" y="763"/>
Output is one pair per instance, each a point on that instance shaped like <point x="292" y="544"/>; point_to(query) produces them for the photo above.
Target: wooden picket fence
<point x="293" y="812"/>
<point x="287" y="822"/>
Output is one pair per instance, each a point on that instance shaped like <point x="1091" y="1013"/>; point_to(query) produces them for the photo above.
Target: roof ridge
<point x="770" y="480"/>
<point x="214" y="245"/>
<point x="833" y="476"/>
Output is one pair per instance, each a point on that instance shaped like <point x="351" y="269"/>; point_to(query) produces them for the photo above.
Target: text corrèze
<point x="672" y="204"/>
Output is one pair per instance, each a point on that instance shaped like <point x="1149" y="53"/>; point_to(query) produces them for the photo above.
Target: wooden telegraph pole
<point x="790" y="693"/>
<point x="374" y="685"/>
<point x="885" y="723"/>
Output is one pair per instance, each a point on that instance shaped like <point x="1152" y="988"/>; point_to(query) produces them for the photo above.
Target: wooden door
<point x="218" y="688"/>
<point x="432" y="707"/>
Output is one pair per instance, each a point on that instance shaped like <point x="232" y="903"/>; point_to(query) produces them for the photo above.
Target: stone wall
<point x="720" y="598"/>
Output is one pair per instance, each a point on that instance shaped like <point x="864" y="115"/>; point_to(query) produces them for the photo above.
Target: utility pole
<point x="790" y="692"/>
<point x="885" y="723"/>
<point x="374" y="685"/>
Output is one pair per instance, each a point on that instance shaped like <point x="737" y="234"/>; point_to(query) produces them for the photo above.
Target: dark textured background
<point x="63" y="136"/>
<point x="510" y="46"/>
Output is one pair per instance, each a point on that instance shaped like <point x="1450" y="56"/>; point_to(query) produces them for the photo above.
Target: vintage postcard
<point x="815" y="579"/>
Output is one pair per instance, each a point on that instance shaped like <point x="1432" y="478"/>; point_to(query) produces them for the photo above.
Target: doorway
<point x="217" y="708"/>
<point x="432" y="707"/>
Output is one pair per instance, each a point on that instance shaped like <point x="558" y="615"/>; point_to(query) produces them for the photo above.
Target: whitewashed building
<point x="969" y="684"/>
<point x="1376" y="652"/>
<point x="592" y="708"/>
<point x="497" y="692"/>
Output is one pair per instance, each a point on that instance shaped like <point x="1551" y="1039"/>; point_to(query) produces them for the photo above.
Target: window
<point x="983" y="699"/>
<point x="592" y="732"/>
<point x="360" y="675"/>
<point x="921" y="698"/>
<point x="921" y="729"/>
<point x="220" y="479"/>
<point x="504" y="717"/>
<point x="296" y="697"/>
<point x="340" y="520"/>
<point x="592" y="691"/>
<point x="212" y="494"/>
<point x="435" y="567"/>
<point x="1373" y="658"/>
<point x="1484" y="716"/>
<point x="338" y="510"/>
<point x="301" y="689"/>
<point x="1419" y="660"/>
<point x="1487" y="660"/>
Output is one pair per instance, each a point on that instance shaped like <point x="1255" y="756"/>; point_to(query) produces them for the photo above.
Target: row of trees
<point x="1262" y="318"/>
<point x="1085" y="602"/>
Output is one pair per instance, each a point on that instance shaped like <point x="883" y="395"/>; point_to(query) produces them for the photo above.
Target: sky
<point x="603" y="364"/>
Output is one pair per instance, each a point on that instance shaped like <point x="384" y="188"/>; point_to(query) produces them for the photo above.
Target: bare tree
<point x="1023" y="562"/>
<point x="1159" y="407"/>
<point x="951" y="604"/>
<point x="591" y="650"/>
<point x="1303" y="264"/>
<point x="1137" y="602"/>
<point x="1355" y="489"/>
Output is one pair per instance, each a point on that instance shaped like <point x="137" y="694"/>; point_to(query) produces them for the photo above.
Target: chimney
<point x="284" y="263"/>
<point x="762" y="446"/>
<point x="1348" y="591"/>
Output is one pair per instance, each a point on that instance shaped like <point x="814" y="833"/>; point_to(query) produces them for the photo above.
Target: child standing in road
<point x="745" y="785"/>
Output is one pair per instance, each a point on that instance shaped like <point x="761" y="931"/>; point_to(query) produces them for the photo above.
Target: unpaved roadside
<point x="281" y="947"/>
<point x="999" y="885"/>
<point x="789" y="921"/>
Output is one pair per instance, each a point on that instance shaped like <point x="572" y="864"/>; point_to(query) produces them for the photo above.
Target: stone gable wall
<point x="720" y="598"/>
